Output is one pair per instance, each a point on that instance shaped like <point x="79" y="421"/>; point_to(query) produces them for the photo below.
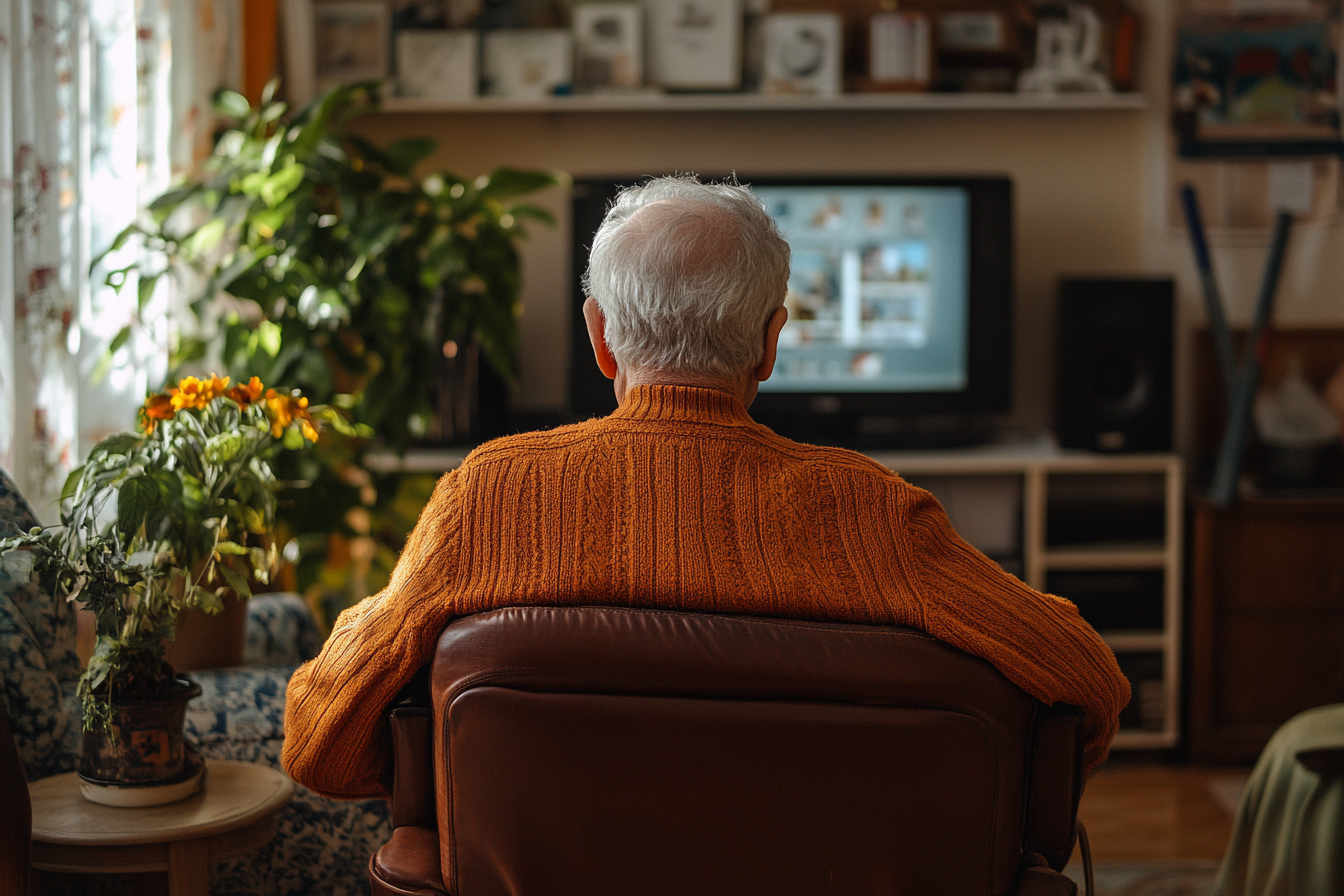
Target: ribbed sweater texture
<point x="679" y="501"/>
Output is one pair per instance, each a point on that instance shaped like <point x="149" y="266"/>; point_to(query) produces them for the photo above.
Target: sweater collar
<point x="682" y="403"/>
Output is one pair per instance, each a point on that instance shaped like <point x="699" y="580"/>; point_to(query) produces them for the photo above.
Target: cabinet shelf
<point x="756" y="102"/>
<point x="1105" y="556"/>
<point x="1134" y="642"/>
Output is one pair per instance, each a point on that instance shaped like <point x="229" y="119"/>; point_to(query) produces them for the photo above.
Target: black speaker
<point x="1113" y="383"/>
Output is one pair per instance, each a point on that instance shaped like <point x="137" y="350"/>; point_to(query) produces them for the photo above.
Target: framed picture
<point x="695" y="44"/>
<point x="900" y="51"/>
<point x="527" y="65"/>
<point x="437" y="65"/>
<point x="977" y="46"/>
<point x="351" y="40"/>
<point x="802" y="53"/>
<point x="608" y="45"/>
<point x="1254" y="86"/>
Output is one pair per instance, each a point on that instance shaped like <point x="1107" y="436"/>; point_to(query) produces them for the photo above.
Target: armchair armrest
<point x="411" y="721"/>
<point x="1056" y="784"/>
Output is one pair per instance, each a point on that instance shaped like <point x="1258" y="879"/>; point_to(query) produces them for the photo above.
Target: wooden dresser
<point x="1266" y="623"/>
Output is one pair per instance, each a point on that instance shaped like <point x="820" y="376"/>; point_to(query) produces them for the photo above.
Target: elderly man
<point x="679" y="501"/>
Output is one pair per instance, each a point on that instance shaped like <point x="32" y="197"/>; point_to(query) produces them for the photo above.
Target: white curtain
<point x="94" y="122"/>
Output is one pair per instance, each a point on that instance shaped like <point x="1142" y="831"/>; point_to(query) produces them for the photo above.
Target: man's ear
<point x="772" y="328"/>
<point x="597" y="334"/>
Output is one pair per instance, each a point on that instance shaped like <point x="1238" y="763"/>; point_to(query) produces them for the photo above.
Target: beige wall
<point x="1078" y="178"/>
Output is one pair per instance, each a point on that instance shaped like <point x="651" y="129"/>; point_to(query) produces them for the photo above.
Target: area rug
<point x="1187" y="877"/>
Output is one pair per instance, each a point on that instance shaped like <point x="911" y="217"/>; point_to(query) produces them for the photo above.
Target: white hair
<point x="687" y="275"/>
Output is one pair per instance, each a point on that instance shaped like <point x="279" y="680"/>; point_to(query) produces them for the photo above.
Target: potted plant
<point x="321" y="261"/>
<point x="172" y="517"/>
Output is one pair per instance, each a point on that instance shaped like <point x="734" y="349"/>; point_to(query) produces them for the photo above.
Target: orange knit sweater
<point x="679" y="501"/>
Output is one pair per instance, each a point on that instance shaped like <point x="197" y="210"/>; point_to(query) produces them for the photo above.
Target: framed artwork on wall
<point x="351" y="40"/>
<point x="1246" y="86"/>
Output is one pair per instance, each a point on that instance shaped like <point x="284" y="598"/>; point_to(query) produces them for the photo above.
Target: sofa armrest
<point x="281" y="630"/>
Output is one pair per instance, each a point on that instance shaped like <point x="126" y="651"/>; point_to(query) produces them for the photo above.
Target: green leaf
<point x="236" y="582"/>
<point x="206" y="237"/>
<point x="135" y="500"/>
<point x="268" y="337"/>
<point x="231" y="547"/>
<point x="403" y="155"/>
<point x="205" y="600"/>
<point x="505" y="182"/>
<point x="72" y="482"/>
<point x="232" y="104"/>
<point x="224" y="447"/>
<point x="121" y="443"/>
<point x="145" y="291"/>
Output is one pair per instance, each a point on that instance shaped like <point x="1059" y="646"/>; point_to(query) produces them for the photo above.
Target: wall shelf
<point x="756" y="102"/>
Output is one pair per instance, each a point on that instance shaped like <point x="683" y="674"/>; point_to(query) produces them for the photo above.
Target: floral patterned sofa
<point x="321" y="845"/>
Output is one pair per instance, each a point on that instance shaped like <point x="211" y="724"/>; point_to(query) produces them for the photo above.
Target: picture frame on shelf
<point x="695" y="44"/>
<point x="527" y="64"/>
<point x="900" y="52"/>
<point x="1247" y="86"/>
<point x="352" y="41"/>
<point x="977" y="46"/>
<point x="437" y="65"/>
<point x="608" y="46"/>
<point x="803" y="53"/>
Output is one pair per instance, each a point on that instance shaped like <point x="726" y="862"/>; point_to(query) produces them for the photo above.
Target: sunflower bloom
<point x="245" y="395"/>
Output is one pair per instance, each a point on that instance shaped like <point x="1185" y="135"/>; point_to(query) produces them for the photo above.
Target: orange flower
<point x="284" y="410"/>
<point x="194" y="393"/>
<point x="278" y="409"/>
<point x="157" y="407"/>
<point x="245" y="395"/>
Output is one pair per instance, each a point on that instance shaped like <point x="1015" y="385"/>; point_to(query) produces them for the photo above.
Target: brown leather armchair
<point x="596" y="750"/>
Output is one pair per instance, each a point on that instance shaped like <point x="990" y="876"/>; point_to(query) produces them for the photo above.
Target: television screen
<point x="900" y="308"/>
<point x="879" y="288"/>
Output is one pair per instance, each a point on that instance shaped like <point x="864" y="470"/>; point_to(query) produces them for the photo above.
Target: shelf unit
<point x="1038" y="469"/>
<point x="1041" y="469"/>
<point x="756" y="102"/>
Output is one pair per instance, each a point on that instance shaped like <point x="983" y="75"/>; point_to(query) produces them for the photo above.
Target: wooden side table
<point x="233" y="814"/>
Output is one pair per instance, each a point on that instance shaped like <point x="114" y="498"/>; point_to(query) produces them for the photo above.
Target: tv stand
<point x="1103" y="530"/>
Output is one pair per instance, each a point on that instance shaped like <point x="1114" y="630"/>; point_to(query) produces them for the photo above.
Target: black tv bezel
<point x="988" y="389"/>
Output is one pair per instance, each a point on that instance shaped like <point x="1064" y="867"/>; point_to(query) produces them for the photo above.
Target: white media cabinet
<point x="1109" y="525"/>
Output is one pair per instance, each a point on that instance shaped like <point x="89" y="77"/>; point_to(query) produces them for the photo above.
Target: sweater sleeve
<point x="1038" y="641"/>
<point x="337" y="741"/>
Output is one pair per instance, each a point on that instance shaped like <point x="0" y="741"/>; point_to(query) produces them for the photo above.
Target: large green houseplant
<point x="324" y="262"/>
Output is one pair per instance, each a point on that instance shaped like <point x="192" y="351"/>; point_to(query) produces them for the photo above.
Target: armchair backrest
<point x="616" y="751"/>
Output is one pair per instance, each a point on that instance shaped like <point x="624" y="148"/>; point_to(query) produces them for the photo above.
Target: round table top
<point x="233" y="795"/>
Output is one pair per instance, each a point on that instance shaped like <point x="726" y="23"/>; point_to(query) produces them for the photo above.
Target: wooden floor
<point x="1137" y="812"/>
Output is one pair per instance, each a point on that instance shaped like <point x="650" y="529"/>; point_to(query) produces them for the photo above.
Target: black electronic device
<point x="900" y="302"/>
<point x="1113" y="381"/>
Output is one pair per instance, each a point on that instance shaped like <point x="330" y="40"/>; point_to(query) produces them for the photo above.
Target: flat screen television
<point x="900" y="306"/>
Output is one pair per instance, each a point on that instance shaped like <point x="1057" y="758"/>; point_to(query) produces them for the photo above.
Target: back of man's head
<point x="687" y="275"/>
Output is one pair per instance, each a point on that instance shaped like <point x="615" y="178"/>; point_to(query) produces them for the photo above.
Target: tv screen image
<point x="878" y="291"/>
<point x="900" y="308"/>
